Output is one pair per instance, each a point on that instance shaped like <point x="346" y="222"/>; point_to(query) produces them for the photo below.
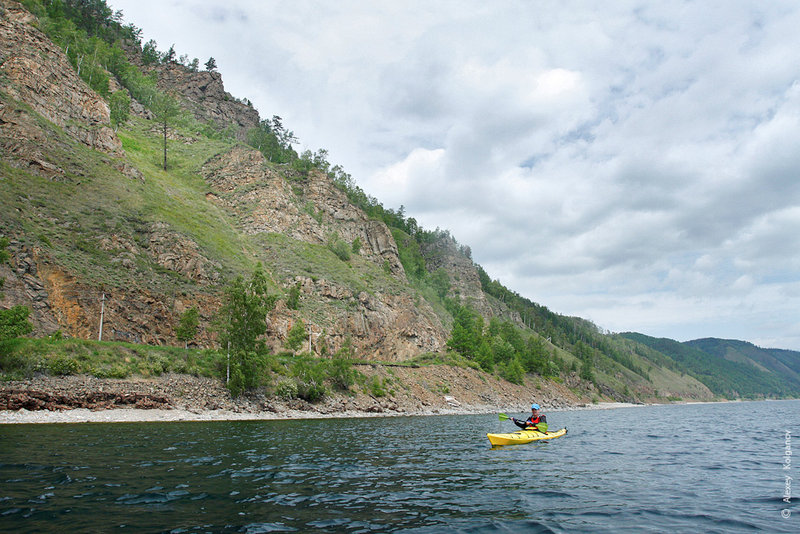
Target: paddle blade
<point x="542" y="427"/>
<point x="504" y="417"/>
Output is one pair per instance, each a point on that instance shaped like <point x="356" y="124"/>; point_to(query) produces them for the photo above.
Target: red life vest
<point x="533" y="421"/>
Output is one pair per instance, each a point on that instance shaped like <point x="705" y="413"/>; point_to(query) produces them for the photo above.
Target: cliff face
<point x="148" y="266"/>
<point x="386" y="324"/>
<point x="64" y="301"/>
<point x="309" y="209"/>
<point x="465" y="283"/>
<point x="36" y="72"/>
<point x="204" y="95"/>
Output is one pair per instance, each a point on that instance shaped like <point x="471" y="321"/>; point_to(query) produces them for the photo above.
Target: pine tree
<point x="165" y="110"/>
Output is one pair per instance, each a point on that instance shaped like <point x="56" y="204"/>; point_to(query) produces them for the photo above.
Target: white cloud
<point x="634" y="163"/>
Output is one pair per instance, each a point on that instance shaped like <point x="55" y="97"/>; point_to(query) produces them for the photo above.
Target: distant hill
<point x="785" y="363"/>
<point x="732" y="368"/>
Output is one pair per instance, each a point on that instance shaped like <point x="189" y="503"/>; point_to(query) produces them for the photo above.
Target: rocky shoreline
<point x="437" y="390"/>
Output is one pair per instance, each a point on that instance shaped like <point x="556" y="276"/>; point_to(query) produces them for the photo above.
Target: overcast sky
<point x="633" y="163"/>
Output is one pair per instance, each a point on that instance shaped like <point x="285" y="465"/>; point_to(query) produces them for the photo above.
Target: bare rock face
<point x="169" y="249"/>
<point x="310" y="210"/>
<point x="24" y="285"/>
<point x="445" y="254"/>
<point x="379" y="326"/>
<point x="205" y="95"/>
<point x="178" y="253"/>
<point x="38" y="73"/>
<point x="60" y="301"/>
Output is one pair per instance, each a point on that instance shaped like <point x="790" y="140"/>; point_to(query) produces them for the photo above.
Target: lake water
<point x="684" y="468"/>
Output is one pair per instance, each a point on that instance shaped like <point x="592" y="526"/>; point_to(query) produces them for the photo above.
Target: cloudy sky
<point x="633" y="163"/>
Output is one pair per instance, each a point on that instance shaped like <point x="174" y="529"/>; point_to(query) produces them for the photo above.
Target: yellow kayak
<point x="524" y="436"/>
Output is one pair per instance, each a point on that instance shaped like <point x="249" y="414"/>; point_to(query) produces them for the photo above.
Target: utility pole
<point x="102" y="310"/>
<point x="309" y="338"/>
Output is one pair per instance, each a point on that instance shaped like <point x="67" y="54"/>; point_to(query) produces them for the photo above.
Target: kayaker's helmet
<point x="535" y="407"/>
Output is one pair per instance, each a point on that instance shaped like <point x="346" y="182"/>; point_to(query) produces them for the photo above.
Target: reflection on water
<point x="685" y="468"/>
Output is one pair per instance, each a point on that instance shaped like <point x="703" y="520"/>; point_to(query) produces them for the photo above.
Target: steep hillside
<point x="93" y="217"/>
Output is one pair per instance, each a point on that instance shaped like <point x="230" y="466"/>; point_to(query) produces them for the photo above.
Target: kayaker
<point x="533" y="422"/>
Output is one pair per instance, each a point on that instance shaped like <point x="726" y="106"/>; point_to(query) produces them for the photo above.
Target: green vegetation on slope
<point x="784" y="363"/>
<point x="730" y="379"/>
<point x="93" y="200"/>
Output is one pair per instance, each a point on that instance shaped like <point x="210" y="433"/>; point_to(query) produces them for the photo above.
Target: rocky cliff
<point x="309" y="208"/>
<point x="99" y="230"/>
<point x="37" y="73"/>
<point x="204" y="95"/>
<point x="465" y="284"/>
<point x="388" y="324"/>
<point x="69" y="264"/>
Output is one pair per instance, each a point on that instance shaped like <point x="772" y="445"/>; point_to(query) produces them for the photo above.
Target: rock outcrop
<point x="310" y="209"/>
<point x="143" y="259"/>
<point x="50" y="87"/>
<point x="379" y="326"/>
<point x="465" y="284"/>
<point x="180" y="254"/>
<point x="204" y="95"/>
<point x="60" y="301"/>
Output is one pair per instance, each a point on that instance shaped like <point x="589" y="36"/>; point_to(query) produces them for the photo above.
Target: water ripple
<point x="403" y="474"/>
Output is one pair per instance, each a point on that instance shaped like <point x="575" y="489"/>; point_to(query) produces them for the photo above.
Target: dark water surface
<point x="686" y="468"/>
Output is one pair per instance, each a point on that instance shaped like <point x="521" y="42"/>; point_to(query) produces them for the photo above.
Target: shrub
<point x="14" y="323"/>
<point x="377" y="387"/>
<point x="338" y="246"/>
<point x="62" y="366"/>
<point x="341" y="373"/>
<point x="115" y="371"/>
<point x="297" y="336"/>
<point x="513" y="371"/>
<point x="13" y="364"/>
<point x="293" y="301"/>
<point x="310" y="377"/>
<point x="311" y="392"/>
<point x="247" y="372"/>
<point x="286" y="389"/>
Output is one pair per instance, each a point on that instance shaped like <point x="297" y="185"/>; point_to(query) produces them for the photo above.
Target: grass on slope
<point x="177" y="196"/>
<point x="24" y="357"/>
<point x="72" y="215"/>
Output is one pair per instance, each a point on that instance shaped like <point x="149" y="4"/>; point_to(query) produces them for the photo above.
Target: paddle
<point x="541" y="427"/>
